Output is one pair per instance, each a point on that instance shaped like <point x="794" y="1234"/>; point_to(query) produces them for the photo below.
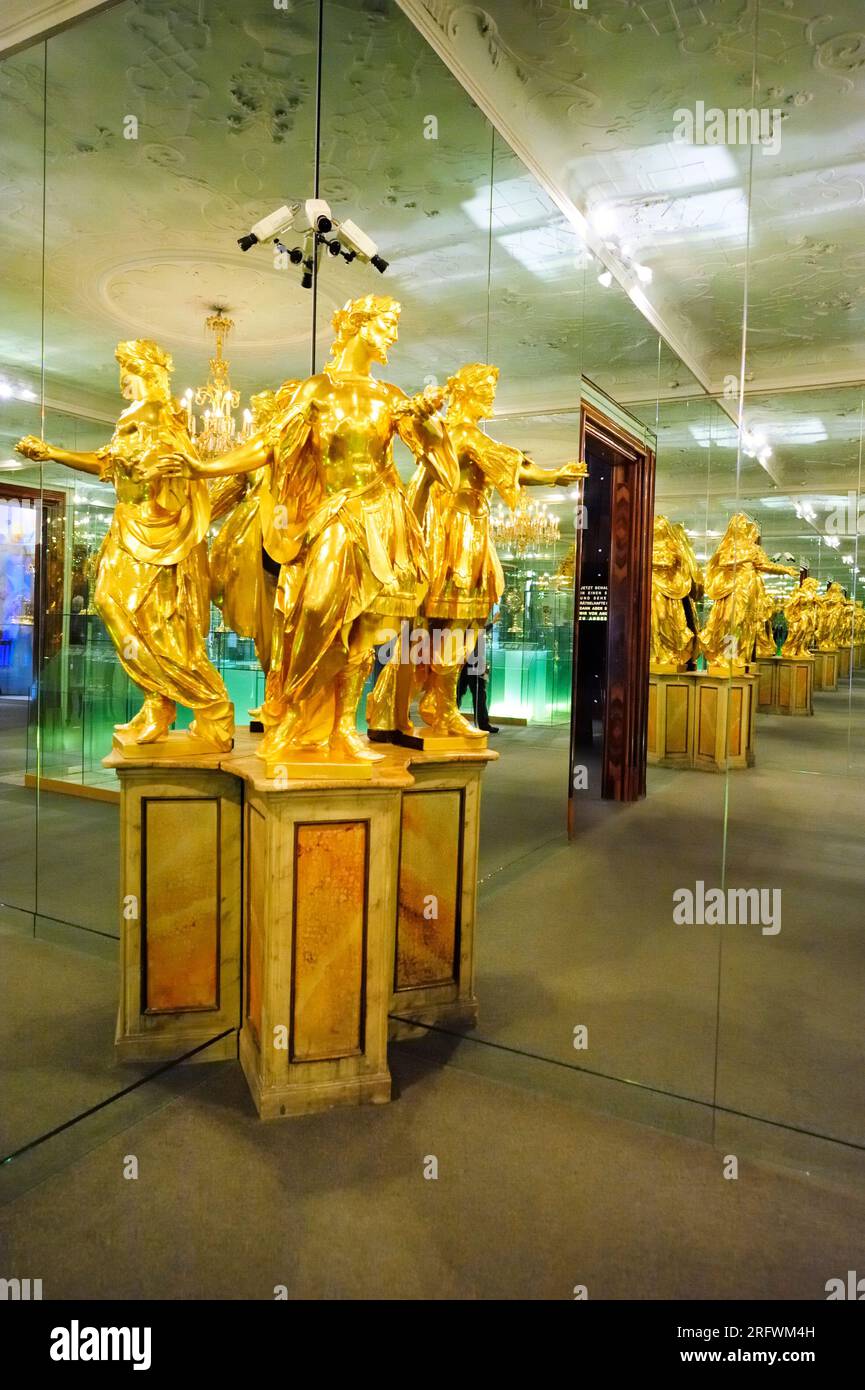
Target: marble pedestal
<point x="358" y="908"/>
<point x="725" y="715"/>
<point x="180" y="909"/>
<point x="785" y="684"/>
<point x="672" y="700"/>
<point x="826" y="670"/>
<point x="437" y="894"/>
<point x="701" y="720"/>
<point x="845" y="661"/>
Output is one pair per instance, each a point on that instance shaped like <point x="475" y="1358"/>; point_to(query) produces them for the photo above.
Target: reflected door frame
<point x="626" y="705"/>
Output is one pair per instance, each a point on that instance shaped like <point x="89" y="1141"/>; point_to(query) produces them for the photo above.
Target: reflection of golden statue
<point x="676" y="579"/>
<point x="336" y="517"/>
<point x="735" y="585"/>
<point x="152" y="584"/>
<point x="242" y="584"/>
<point x="466" y="578"/>
<point x="832" y="626"/>
<point x="850" y="626"/>
<point x="802" y="612"/>
<point x="766" y="644"/>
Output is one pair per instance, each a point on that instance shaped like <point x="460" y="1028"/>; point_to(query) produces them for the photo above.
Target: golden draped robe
<point x="152" y="588"/>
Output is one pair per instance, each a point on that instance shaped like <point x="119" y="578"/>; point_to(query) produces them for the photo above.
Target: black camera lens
<point x="380" y="264"/>
<point x="245" y="242"/>
<point x="334" y="248"/>
<point x="323" y="224"/>
<point x="295" y="255"/>
<point x="306" y="280"/>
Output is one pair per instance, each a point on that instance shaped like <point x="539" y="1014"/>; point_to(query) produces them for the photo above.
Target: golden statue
<point x="336" y="517"/>
<point x="802" y="612"/>
<point x="734" y="583"/>
<point x="832" y="624"/>
<point x="152" y="589"/>
<point x="676" y="581"/>
<point x="242" y="574"/>
<point x="766" y="645"/>
<point x="465" y="576"/>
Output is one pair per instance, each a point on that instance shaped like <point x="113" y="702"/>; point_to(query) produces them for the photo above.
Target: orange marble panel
<point x="707" y="720"/>
<point x="785" y="687"/>
<point x="181" y="904"/>
<point x="767" y="674"/>
<point x="255" y="893"/>
<point x="677" y="719"/>
<point x="330" y="907"/>
<point x="429" y="877"/>
<point x="736" y="694"/>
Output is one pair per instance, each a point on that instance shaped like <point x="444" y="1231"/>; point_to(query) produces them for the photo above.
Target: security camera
<point x="361" y="245"/>
<point x="314" y="220"/>
<point x="273" y="226"/>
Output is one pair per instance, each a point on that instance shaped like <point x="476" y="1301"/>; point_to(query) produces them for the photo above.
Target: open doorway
<point x="609" y="704"/>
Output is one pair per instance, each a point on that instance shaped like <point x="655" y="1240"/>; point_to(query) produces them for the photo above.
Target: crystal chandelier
<point x="217" y="430"/>
<point x="529" y="528"/>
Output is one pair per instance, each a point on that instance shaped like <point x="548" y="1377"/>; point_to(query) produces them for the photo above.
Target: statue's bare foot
<point x="346" y="745"/>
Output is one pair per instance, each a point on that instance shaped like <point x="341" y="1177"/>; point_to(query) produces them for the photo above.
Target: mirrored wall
<point x="568" y="219"/>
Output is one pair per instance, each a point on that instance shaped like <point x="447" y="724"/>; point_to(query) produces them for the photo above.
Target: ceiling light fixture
<point x="217" y="432"/>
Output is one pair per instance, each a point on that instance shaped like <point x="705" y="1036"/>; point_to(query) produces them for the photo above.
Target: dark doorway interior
<point x="610" y="689"/>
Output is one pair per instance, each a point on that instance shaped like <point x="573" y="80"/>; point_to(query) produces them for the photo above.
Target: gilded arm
<point x="42" y="452"/>
<point x="530" y="475"/>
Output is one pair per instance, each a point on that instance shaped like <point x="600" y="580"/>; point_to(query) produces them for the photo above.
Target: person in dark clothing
<point x="473" y="678"/>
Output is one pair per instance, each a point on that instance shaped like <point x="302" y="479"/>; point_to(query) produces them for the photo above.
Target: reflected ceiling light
<point x="21" y="393"/>
<point x="833" y="541"/>
<point x="605" y="278"/>
<point x="604" y="220"/>
<point x="847" y="559"/>
<point x="11" y="465"/>
<point x="811" y="431"/>
<point x="644" y="273"/>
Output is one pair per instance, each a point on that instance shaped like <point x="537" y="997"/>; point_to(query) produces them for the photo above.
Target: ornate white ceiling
<point x="588" y="96"/>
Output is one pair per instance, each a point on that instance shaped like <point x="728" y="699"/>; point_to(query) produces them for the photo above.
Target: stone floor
<point x="748" y="1042"/>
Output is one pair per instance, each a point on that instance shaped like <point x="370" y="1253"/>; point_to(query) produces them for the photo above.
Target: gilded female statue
<point x="675" y="579"/>
<point x="336" y="517"/>
<point x="466" y="578"/>
<point x="734" y="583"/>
<point x="766" y="645"/>
<point x="802" y="612"/>
<point x="152" y="589"/>
<point x="832" y="627"/>
<point x="242" y="574"/>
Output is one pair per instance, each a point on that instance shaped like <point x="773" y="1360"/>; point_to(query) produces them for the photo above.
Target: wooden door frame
<point x="632" y="496"/>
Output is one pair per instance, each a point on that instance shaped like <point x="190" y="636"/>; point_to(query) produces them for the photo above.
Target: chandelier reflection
<point x="529" y="529"/>
<point x="216" y="431"/>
